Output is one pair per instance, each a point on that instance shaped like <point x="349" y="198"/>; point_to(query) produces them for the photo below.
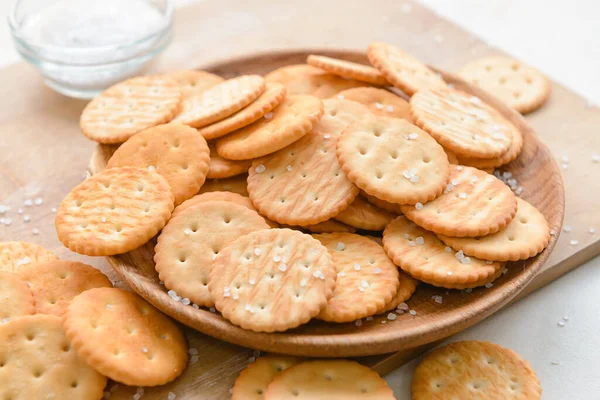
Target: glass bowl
<point x="81" y="47"/>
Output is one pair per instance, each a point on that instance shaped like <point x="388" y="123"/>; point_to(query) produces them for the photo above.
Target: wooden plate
<point x="535" y="170"/>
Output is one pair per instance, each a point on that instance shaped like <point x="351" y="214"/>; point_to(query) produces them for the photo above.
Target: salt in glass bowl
<point x="81" y="47"/>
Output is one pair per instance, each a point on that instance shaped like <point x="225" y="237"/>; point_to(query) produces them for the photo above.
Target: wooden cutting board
<point x="44" y="155"/>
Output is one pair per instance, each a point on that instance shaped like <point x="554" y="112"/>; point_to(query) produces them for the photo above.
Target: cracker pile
<point x="264" y="190"/>
<point x="64" y="330"/>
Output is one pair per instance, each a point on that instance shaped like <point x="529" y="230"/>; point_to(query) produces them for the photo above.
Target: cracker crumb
<point x="419" y="206"/>
<point x="358" y="322"/>
<point x="269" y="115"/>
<point x="260" y="169"/>
<point x="574" y="242"/>
<point x="412" y="312"/>
<point x="340" y="246"/>
<point x="109" y="306"/>
<point x="391" y="316"/>
<point x="564" y="166"/>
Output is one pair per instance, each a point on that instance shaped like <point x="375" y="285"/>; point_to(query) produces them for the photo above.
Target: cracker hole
<point x="272" y="176"/>
<point x="328" y="377"/>
<point x="182" y="258"/>
<point x="176" y="143"/>
<point x="379" y="174"/>
<point x="259" y="391"/>
<point x="52" y="301"/>
<point x="438" y="211"/>
<point x="316" y="197"/>
<point x="488" y="68"/>
<point x="295" y="392"/>
<point x="279" y="368"/>
<point x="514" y="379"/>
<point x="333" y="113"/>
<point x="106" y="185"/>
<point x="394" y="155"/>
<point x="272" y="275"/>
<point x="511" y="238"/>
<point x="63" y="276"/>
<point x="140" y="188"/>
<point x="363" y="390"/>
<point x="523" y="220"/>
<point x="476" y="385"/>
<point x="164" y="336"/>
<point x="516" y="95"/>
<point x="118" y="228"/>
<point x="237" y="286"/>
<point x="529" y="80"/>
<point x="112" y="206"/>
<point x="30" y="337"/>
<point x="377" y="133"/>
<point x="282" y="200"/>
<point x="38" y="373"/>
<point x="362" y="151"/>
<point x="292" y="153"/>
<point x="185" y="167"/>
<point x="78" y="203"/>
<point x="426" y="160"/>
<point x="2" y="363"/>
<point x="324" y="151"/>
<point x="513" y="386"/>
<point x="303" y="174"/>
<point x="515" y="67"/>
<point x="227" y="219"/>
<point x="502" y="81"/>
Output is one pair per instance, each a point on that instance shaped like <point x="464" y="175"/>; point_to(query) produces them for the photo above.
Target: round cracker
<point x="402" y="69"/>
<point x="56" y="283"/>
<point x="38" y="362"/>
<point x="363" y="215"/>
<point x="194" y="81"/>
<point x="187" y="246"/>
<point x="329" y="379"/>
<point x="236" y="184"/>
<point x="272" y="96"/>
<point x="329" y="226"/>
<point x="384" y="205"/>
<point x="272" y="280"/>
<point x="380" y="102"/>
<point x="516" y="145"/>
<point x="347" y="69"/>
<point x="213" y="196"/>
<point x="124" y="338"/>
<point x="220" y="101"/>
<point x="292" y="119"/>
<point x="462" y="123"/>
<point x="518" y="85"/>
<point x="16" y="256"/>
<point x="301" y="184"/>
<point x="288" y="73"/>
<point x="130" y="106"/>
<point x="473" y="369"/>
<point x="175" y="151"/>
<point x="423" y="256"/>
<point x="393" y="160"/>
<point x="321" y="86"/>
<point x="17" y="299"/>
<point x="524" y="237"/>
<point x="221" y="168"/>
<point x="407" y="287"/>
<point x="366" y="281"/>
<point x="253" y="381"/>
<point x="473" y="204"/>
<point x="338" y="115"/>
<point x="114" y="211"/>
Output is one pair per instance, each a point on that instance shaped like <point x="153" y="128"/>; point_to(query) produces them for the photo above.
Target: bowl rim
<point x="36" y="47"/>
<point x="359" y="343"/>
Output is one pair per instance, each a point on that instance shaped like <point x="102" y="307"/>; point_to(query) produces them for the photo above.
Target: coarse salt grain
<point x="420" y="240"/>
<point x="553" y="232"/>
<point x="376" y="270"/>
<point x="596" y="158"/>
<point x="144" y="349"/>
<point x="252" y="281"/>
<point x="327" y="136"/>
<point x="565" y="159"/>
<point x="566" y="318"/>
<point x="341" y="96"/>
<point x="212" y="310"/>
<point x="38" y="201"/>
<point x="391" y="316"/>
<point x="411" y="243"/>
<point x="459" y="168"/>
<point x="26" y="218"/>
<point x="369" y="319"/>
<point x="171" y="396"/>
<point x="340" y="246"/>
<point x="197" y="307"/>
<point x="384" y="322"/>
<point x="364" y="284"/>
<point x="109" y="306"/>
<point x="303" y="283"/>
<point x="561" y="324"/>
<point x="449" y="273"/>
<point x="289" y="168"/>
<point x="28" y="203"/>
<point x="276" y="258"/>
<point x="358" y="322"/>
<point x="489" y="285"/>
<point x="402" y="306"/>
<point x="390" y="108"/>
<point x="35" y="231"/>
<point x="151" y="168"/>
<point x="574" y="242"/>
<point x="23" y="261"/>
<point x="412" y="312"/>
<point x="257" y="251"/>
<point x="592" y="230"/>
<point x="462" y="195"/>
<point x="567" y="228"/>
<point x="437" y="299"/>
<point x="53" y="210"/>
<point x="505" y="271"/>
<point x="103" y="219"/>
<point x="282" y="267"/>
<point x="419" y="206"/>
<point x="269" y="115"/>
<point x="448" y="249"/>
<point x="378" y="105"/>
<point x="260" y="169"/>
<point x="342" y="274"/>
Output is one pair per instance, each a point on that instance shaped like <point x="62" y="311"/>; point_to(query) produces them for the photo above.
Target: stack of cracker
<point x="64" y="329"/>
<point x="270" y="195"/>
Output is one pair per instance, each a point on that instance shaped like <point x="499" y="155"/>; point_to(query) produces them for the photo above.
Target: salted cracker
<point x="366" y="281"/>
<point x="175" y="151"/>
<point x="16" y="256"/>
<point x="236" y="184"/>
<point x="380" y="102"/>
<point x="114" y="211"/>
<point x="16" y="297"/>
<point x="55" y="283"/>
<point x="524" y="237"/>
<point x="292" y="119"/>
<point x="130" y="106"/>
<point x="302" y="184"/>
<point x="474" y="369"/>
<point x="288" y="73"/>
<point x="335" y="379"/>
<point x="194" y="81"/>
<point x="423" y="256"/>
<point x="393" y="160"/>
<point x="516" y="145"/>
<point x="338" y="115"/>
<point x="473" y="204"/>
<point x="188" y="245"/>
<point x="407" y="287"/>
<point x="347" y="69"/>
<point x="403" y="70"/>
<point x="221" y="168"/>
<point x="272" y="280"/>
<point x="253" y="381"/>
<point x="363" y="215"/>
<point x="124" y="338"/>
<point x="322" y="86"/>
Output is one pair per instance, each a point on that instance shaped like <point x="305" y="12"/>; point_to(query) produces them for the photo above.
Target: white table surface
<point x="563" y="40"/>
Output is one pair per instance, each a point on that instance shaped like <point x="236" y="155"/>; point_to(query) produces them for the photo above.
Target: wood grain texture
<point x="535" y="170"/>
<point x="44" y="154"/>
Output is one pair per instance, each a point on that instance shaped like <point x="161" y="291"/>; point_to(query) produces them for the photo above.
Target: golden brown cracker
<point x="38" y="362"/>
<point x="55" y="283"/>
<point x="487" y="164"/>
<point x="321" y="86"/>
<point x="16" y="297"/>
<point x="272" y="96"/>
<point x="221" y="168"/>
<point x="194" y="81"/>
<point x="175" y="151"/>
<point x="380" y="102"/>
<point x="407" y="287"/>
<point x="292" y="119"/>
<point x="253" y="381"/>
<point x="220" y="101"/>
<point x="272" y="280"/>
<point x="525" y="236"/>
<point x="15" y="256"/>
<point x="236" y="184"/>
<point x="114" y="211"/>
<point x="363" y="215"/>
<point x="402" y="69"/>
<point x="393" y="160"/>
<point x="347" y="69"/>
<point x="187" y="246"/>
<point x="338" y="115"/>
<point x="473" y="204"/>
<point x="301" y="184"/>
<point x="423" y="256"/>
<point x="288" y="73"/>
<point x="475" y="370"/>
<point x="518" y="85"/>
<point x="366" y="281"/>
<point x="130" y="106"/>
<point x="462" y="123"/>
<point x="384" y="205"/>
<point x="124" y="338"/>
